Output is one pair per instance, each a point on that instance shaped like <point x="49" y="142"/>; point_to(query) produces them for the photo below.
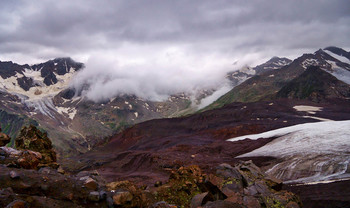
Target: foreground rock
<point x="4" y="139"/>
<point x="47" y="188"/>
<point x="34" y="150"/>
<point x="243" y="185"/>
<point x="20" y="158"/>
<point x="31" y="138"/>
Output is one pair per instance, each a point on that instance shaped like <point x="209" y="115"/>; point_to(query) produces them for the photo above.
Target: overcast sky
<point x="179" y="38"/>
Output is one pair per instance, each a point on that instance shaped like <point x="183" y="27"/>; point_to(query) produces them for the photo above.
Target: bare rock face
<point x="31" y="138"/>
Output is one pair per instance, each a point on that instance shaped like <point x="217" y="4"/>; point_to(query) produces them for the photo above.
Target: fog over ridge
<point x="152" y="76"/>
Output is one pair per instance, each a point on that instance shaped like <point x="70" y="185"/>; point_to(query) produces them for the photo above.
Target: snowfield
<point x="307" y="153"/>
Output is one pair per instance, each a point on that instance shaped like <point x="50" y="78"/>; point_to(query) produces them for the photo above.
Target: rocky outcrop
<point x="247" y="186"/>
<point x="34" y="150"/>
<point x="31" y="138"/>
<point x="183" y="185"/>
<point x="4" y="139"/>
<point x="127" y="194"/>
<point x="48" y="188"/>
<point x="20" y="158"/>
<point x="243" y="185"/>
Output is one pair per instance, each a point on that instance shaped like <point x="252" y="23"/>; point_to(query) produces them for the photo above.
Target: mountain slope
<point x="198" y="139"/>
<point x="315" y="84"/>
<point x="266" y="85"/>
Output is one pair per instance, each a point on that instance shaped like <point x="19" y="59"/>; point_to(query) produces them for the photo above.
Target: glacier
<point x="307" y="153"/>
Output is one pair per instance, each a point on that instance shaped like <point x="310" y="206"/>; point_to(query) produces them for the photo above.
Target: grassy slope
<point x="11" y="124"/>
<point x="260" y="87"/>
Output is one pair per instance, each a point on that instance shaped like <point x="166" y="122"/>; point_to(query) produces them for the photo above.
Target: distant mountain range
<point x="40" y="94"/>
<point x="266" y="85"/>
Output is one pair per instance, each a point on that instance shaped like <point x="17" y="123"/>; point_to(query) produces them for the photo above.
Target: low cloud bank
<point x="152" y="73"/>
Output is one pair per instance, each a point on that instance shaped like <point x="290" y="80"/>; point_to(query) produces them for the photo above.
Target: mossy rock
<point x="31" y="138"/>
<point x="182" y="186"/>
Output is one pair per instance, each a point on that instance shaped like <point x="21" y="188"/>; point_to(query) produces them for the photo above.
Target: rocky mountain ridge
<point x="239" y="76"/>
<point x="266" y="85"/>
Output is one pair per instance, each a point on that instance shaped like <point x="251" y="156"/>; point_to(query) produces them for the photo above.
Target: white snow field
<point x="307" y="153"/>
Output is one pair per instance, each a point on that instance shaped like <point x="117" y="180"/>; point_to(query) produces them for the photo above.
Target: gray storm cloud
<point x="159" y="47"/>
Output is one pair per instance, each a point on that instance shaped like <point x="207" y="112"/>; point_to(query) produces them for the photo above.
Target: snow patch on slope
<point x="11" y="84"/>
<point x="211" y="98"/>
<point x="308" y="152"/>
<point x="339" y="73"/>
<point x="336" y="56"/>
<point x="68" y="111"/>
<point x="44" y="106"/>
<point x="309" y="62"/>
<point x="307" y="108"/>
<point x="248" y="70"/>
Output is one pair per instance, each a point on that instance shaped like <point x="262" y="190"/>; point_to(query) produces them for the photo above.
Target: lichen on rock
<point x="31" y="138"/>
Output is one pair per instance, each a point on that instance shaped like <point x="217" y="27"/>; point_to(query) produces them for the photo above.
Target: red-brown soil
<point x="147" y="151"/>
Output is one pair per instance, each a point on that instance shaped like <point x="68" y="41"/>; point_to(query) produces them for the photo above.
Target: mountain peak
<point x="276" y="58"/>
<point x="272" y="64"/>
